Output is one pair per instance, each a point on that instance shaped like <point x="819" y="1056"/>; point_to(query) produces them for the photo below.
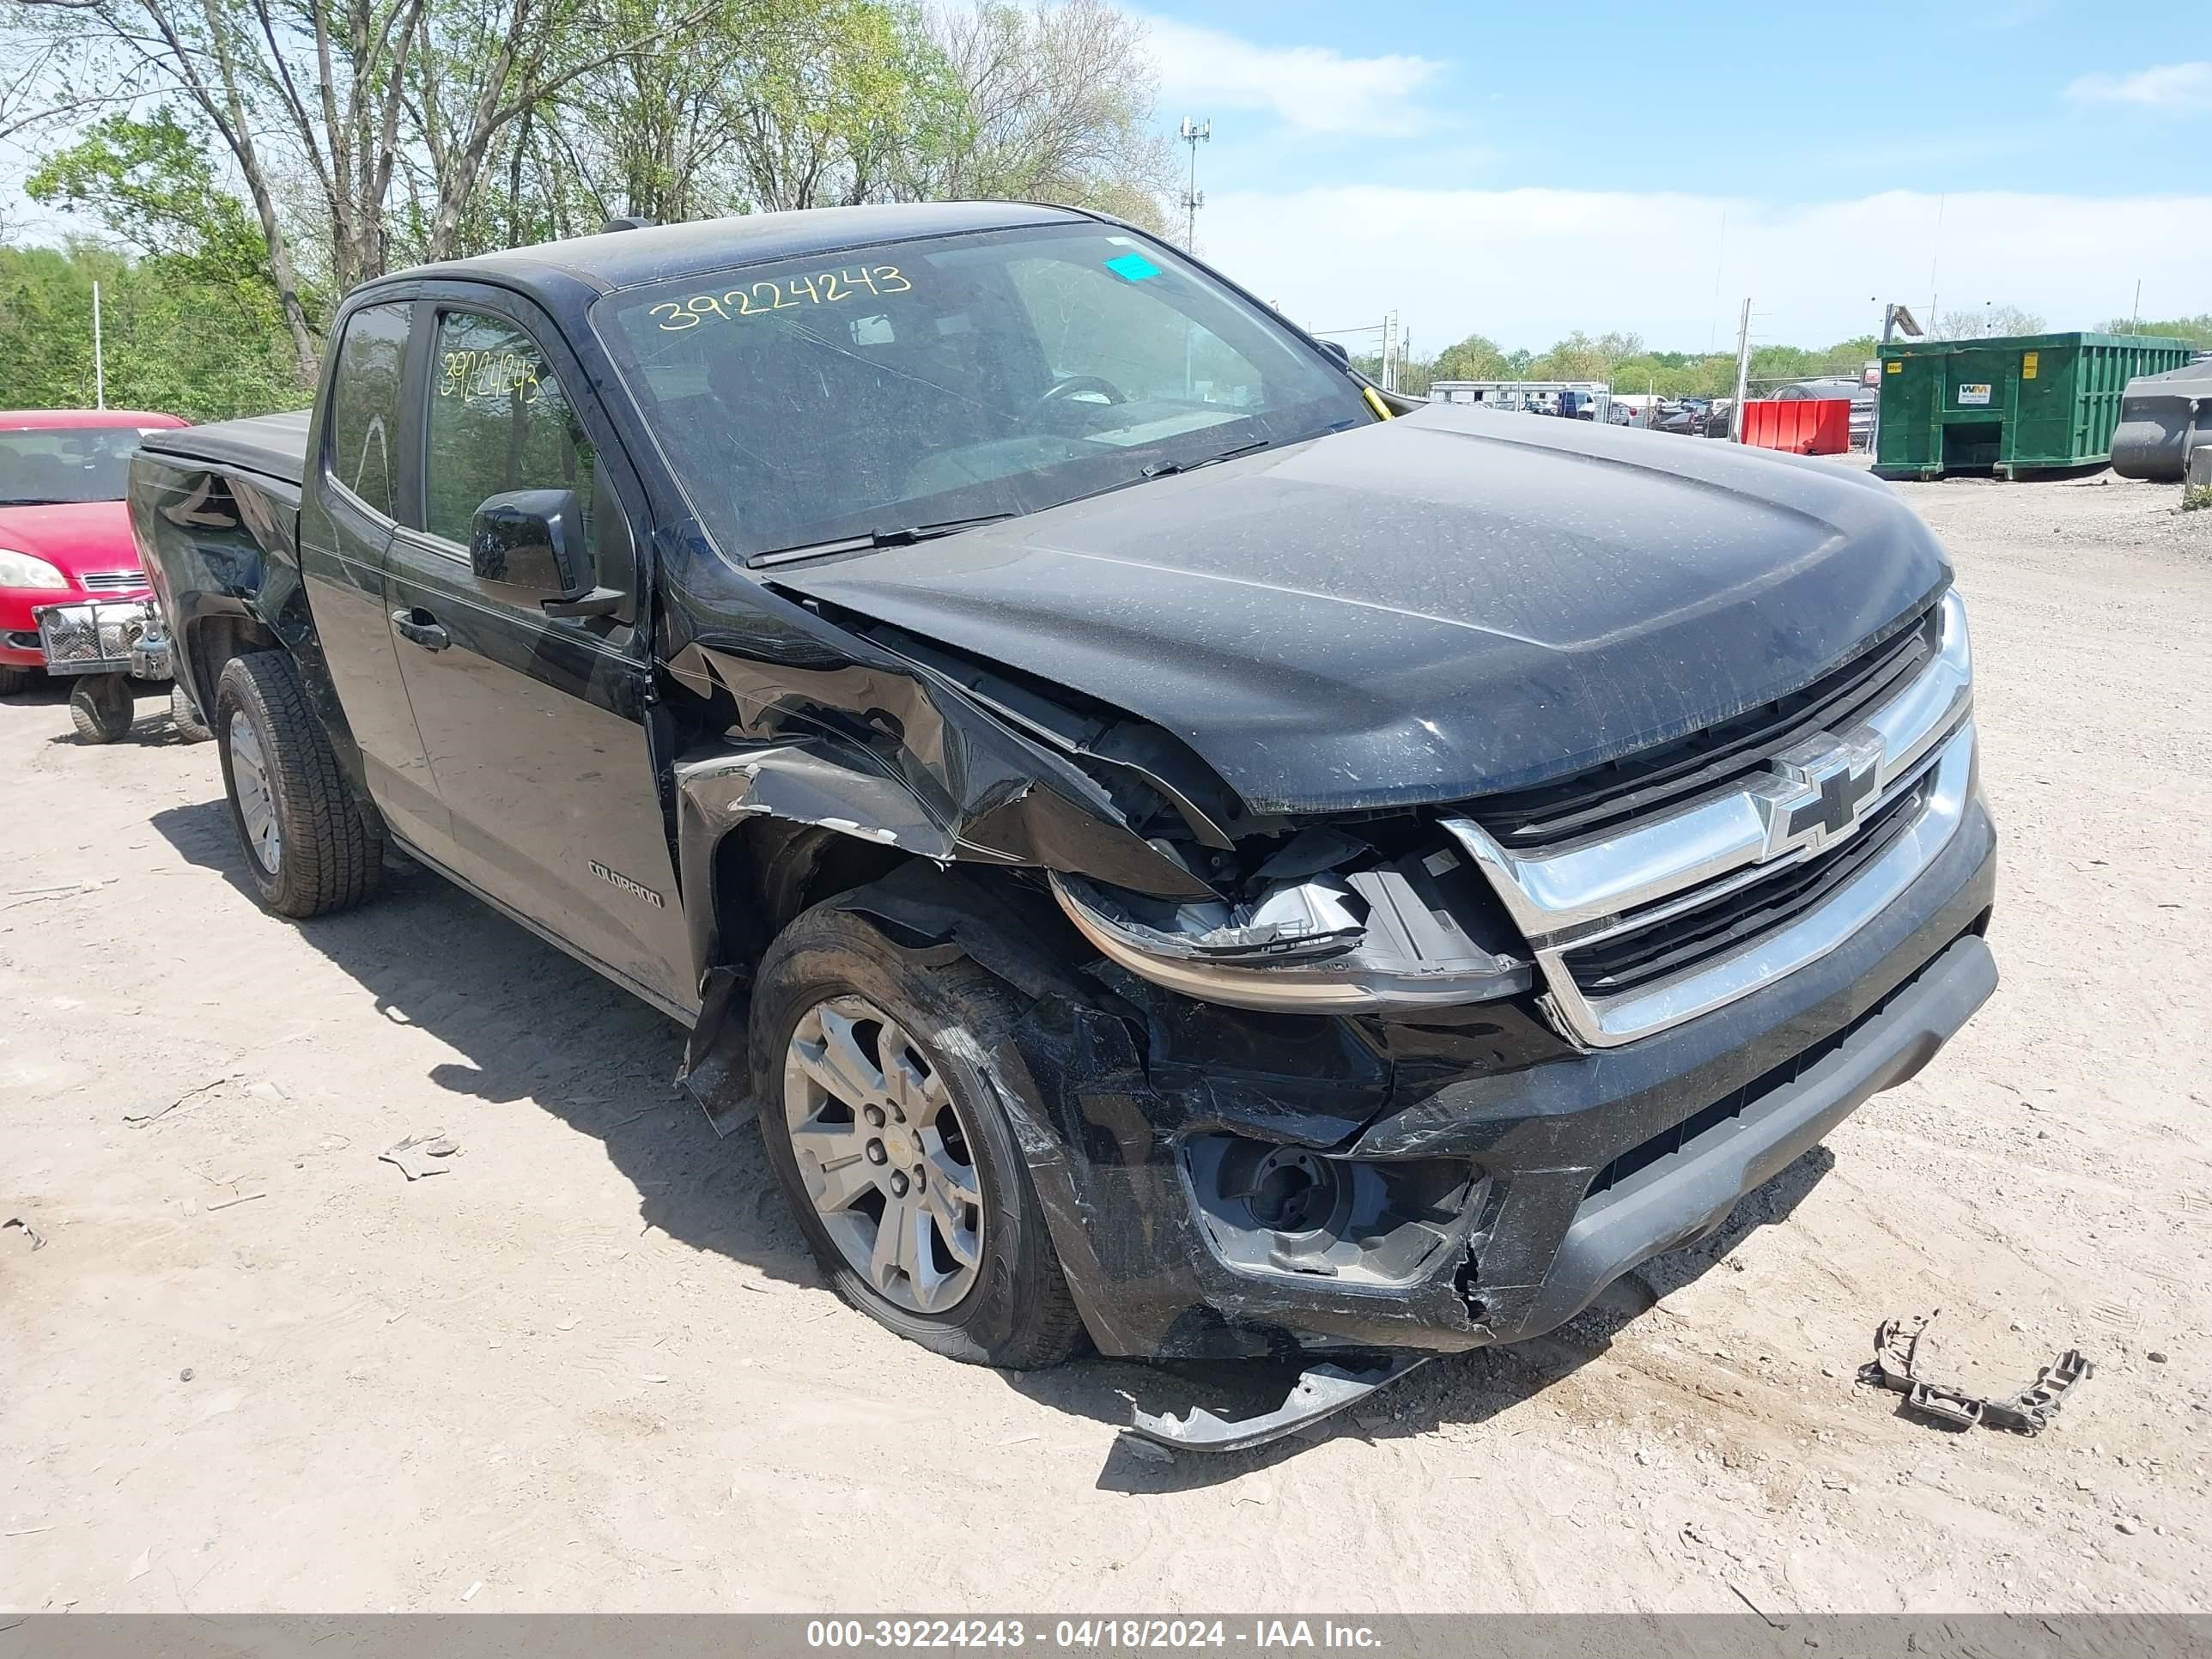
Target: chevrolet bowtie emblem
<point x="1820" y="789"/>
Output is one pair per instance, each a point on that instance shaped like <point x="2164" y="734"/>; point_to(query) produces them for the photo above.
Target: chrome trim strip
<point x="1605" y="1023"/>
<point x="1570" y="886"/>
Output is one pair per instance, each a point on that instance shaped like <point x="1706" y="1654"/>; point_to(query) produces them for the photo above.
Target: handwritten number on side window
<point x="473" y="375"/>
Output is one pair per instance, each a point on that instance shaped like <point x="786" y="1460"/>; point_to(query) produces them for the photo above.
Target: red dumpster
<point x="1805" y="426"/>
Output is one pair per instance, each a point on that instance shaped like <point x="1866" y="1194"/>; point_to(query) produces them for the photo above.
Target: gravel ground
<point x="590" y="1367"/>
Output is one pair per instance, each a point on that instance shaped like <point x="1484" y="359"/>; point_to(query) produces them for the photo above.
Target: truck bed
<point x="275" y="446"/>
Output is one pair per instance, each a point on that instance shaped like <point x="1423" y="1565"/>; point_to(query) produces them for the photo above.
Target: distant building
<point x="1590" y="399"/>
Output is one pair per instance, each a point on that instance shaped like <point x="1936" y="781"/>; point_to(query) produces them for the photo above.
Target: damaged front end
<point x="1299" y="1087"/>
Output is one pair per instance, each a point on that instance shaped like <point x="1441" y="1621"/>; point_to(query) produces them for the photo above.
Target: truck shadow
<point x="539" y="1029"/>
<point x="536" y="1028"/>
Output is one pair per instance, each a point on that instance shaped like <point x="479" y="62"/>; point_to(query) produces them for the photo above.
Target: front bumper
<point x="19" y="627"/>
<point x="1584" y="1162"/>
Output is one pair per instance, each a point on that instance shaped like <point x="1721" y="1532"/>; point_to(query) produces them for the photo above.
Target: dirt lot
<point x="589" y="1366"/>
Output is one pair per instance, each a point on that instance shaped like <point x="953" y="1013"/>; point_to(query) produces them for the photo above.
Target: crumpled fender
<point x="814" y="725"/>
<point x="899" y="755"/>
<point x="887" y="754"/>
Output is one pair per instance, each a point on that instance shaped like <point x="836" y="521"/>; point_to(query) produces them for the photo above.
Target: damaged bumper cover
<point x="1254" y="1184"/>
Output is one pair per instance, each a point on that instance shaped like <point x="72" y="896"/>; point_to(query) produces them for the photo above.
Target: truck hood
<point x="1426" y="610"/>
<point x="74" y="537"/>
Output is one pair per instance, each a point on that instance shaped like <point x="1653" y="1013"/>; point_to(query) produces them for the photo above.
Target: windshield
<point x="928" y="383"/>
<point x="66" y="464"/>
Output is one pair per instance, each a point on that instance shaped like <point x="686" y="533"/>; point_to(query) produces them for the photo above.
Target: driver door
<point x="536" y="727"/>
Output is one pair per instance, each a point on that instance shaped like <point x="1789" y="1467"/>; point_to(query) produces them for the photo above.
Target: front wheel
<point x="12" y="680"/>
<point x="309" y="849"/>
<point x="883" y="1119"/>
<point x="100" y="708"/>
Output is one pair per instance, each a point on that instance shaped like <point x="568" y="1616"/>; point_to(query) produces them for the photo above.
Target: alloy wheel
<point x="885" y="1155"/>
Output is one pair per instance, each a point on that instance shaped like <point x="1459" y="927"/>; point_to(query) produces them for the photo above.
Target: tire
<point x="14" y="679"/>
<point x="309" y="849"/>
<point x="102" y="708"/>
<point x="832" y="966"/>
<point x="185" y="717"/>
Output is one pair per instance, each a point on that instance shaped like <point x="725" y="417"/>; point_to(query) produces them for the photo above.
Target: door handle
<point x="419" y="626"/>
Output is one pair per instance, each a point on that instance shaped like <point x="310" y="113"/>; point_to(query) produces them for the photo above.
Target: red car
<point x="64" y="533"/>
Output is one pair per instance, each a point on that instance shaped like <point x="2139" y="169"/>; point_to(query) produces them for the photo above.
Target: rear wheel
<point x="100" y="708"/>
<point x="883" y="1117"/>
<point x="185" y="717"/>
<point x="309" y="850"/>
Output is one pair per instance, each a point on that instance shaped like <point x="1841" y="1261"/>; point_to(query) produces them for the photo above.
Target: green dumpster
<point x="2015" y="406"/>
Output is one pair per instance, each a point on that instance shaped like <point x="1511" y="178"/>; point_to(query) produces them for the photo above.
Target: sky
<point x="1522" y="171"/>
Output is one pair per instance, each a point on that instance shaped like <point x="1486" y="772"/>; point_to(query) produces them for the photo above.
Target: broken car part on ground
<point x="1896" y="1366"/>
<point x="1175" y="857"/>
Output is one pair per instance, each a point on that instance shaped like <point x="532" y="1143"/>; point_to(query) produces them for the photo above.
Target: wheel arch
<point x="212" y="639"/>
<point x="218" y="635"/>
<point x="766" y="871"/>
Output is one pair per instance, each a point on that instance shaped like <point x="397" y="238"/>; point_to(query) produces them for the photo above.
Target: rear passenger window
<point x="499" y="421"/>
<point x="365" y="405"/>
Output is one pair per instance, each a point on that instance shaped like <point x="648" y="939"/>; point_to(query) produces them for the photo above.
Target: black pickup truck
<point x="1179" y="851"/>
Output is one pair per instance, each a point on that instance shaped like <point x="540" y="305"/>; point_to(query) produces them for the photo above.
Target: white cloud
<point x="1528" y="266"/>
<point x="2185" y="87"/>
<point x="1315" y="89"/>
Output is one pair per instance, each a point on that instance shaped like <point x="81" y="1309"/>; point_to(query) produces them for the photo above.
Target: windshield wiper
<point x="868" y="541"/>
<point x="1169" y="469"/>
<point x="38" y="501"/>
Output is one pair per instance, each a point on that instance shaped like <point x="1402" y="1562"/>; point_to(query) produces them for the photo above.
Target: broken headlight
<point x="1328" y="924"/>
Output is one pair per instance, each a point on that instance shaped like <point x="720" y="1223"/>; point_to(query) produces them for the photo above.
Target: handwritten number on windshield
<point x="823" y="288"/>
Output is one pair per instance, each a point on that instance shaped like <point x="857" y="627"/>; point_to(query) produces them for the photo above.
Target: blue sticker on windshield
<point x="1132" y="267"/>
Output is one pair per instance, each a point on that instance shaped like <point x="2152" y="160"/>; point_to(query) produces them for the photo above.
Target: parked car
<point x="1262" y="873"/>
<point x="73" y="599"/>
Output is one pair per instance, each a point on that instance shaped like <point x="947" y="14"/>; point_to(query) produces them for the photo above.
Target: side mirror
<point x="529" y="544"/>
<point x="1337" y="349"/>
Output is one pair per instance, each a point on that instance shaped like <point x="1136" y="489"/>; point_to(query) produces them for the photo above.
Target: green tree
<point x="173" y="340"/>
<point x="1474" y="358"/>
<point x="150" y="183"/>
<point x="2197" y="330"/>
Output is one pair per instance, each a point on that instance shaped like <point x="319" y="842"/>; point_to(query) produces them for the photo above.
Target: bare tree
<point x="1059" y="100"/>
<point x="484" y="64"/>
<point x="1973" y="322"/>
<point x="338" y="95"/>
<point x="366" y="134"/>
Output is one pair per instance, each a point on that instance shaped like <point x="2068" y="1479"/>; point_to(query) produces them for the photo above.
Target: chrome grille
<point x="113" y="581"/>
<point x="1660" y="915"/>
<point x="1646" y="951"/>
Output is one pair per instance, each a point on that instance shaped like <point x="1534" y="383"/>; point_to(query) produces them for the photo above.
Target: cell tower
<point x="1193" y="133"/>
